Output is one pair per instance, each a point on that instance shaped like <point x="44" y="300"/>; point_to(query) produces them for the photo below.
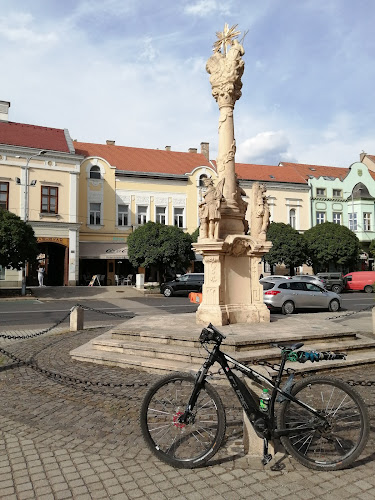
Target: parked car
<point x="312" y="278"/>
<point x="289" y="295"/>
<point x="333" y="281"/>
<point x="191" y="282"/>
<point x="360" y="280"/>
<point x="275" y="277"/>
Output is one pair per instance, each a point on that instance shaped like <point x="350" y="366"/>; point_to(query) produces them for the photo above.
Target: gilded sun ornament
<point x="225" y="38"/>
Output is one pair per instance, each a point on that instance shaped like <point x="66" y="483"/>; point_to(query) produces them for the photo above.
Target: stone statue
<point x="260" y="214"/>
<point x="209" y="210"/>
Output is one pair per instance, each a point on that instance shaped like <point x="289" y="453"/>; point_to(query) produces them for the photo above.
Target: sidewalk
<point x="80" y="439"/>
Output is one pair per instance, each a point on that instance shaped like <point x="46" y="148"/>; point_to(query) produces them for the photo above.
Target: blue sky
<point x="134" y="71"/>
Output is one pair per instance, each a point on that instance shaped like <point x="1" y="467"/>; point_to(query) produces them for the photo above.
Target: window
<point x="4" y="195"/>
<point x="95" y="172"/>
<point x="178" y="216"/>
<point x="353" y="221"/>
<point x="160" y="215"/>
<point x="49" y="200"/>
<point x="2" y="273"/>
<point x="95" y="214"/>
<point x="337" y="193"/>
<point x="313" y="288"/>
<point x="123" y="215"/>
<point x="320" y="217"/>
<point x="367" y="221"/>
<point x="292" y="218"/>
<point x="320" y="192"/>
<point x="141" y="214"/>
<point x="337" y="218"/>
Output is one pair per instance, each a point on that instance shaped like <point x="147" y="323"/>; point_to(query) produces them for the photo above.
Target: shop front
<point x="54" y="258"/>
<point x="107" y="260"/>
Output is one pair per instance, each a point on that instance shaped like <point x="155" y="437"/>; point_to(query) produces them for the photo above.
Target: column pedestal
<point x="232" y="292"/>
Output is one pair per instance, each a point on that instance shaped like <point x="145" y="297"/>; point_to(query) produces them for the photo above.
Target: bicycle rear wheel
<point x="182" y="445"/>
<point x="335" y="443"/>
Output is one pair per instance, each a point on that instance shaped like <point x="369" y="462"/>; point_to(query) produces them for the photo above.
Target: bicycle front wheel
<point x="184" y="445"/>
<point x="333" y="443"/>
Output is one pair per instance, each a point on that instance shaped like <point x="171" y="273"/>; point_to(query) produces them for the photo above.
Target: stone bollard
<point x="76" y="318"/>
<point x="252" y="443"/>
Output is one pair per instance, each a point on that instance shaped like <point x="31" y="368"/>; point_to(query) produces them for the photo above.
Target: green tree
<point x="372" y="248"/>
<point x="288" y="246"/>
<point x="17" y="241"/>
<point x="330" y="244"/>
<point x="162" y="246"/>
<point x="194" y="235"/>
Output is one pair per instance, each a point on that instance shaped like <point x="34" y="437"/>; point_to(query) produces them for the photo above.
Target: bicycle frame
<point x="263" y="422"/>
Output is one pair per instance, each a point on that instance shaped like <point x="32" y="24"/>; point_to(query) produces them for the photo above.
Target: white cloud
<point x="266" y="147"/>
<point x="203" y="8"/>
<point x="21" y="28"/>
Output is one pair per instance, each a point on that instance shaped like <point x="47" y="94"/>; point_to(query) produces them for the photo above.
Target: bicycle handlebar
<point x="211" y="334"/>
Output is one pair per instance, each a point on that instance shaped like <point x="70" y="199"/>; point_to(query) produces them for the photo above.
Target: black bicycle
<point x="321" y="421"/>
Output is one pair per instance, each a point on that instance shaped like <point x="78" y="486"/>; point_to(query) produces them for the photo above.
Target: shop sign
<point x="103" y="250"/>
<point x="53" y="239"/>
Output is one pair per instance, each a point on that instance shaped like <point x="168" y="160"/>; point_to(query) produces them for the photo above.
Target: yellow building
<point x="39" y="173"/>
<point x="122" y="188"/>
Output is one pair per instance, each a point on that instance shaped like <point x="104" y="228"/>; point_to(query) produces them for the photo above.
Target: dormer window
<point x="95" y="172"/>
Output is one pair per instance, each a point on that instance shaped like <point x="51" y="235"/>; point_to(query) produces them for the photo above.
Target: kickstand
<point x="267" y="457"/>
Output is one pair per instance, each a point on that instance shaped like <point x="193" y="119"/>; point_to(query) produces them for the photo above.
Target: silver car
<point x="289" y="295"/>
<point x="311" y="277"/>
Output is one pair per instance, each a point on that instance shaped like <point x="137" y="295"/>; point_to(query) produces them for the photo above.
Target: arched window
<point x="202" y="179"/>
<point x="95" y="172"/>
<point x="292" y="217"/>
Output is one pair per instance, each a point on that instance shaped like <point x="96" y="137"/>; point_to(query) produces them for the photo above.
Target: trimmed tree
<point x="162" y="246"/>
<point x="288" y="246"/>
<point x="17" y="241"/>
<point x="330" y="244"/>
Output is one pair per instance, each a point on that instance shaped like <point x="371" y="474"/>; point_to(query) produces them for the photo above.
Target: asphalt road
<point x="20" y="314"/>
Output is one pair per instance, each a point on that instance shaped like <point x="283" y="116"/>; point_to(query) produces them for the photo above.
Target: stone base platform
<point x="165" y="343"/>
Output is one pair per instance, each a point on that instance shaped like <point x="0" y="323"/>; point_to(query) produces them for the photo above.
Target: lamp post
<point x="26" y="209"/>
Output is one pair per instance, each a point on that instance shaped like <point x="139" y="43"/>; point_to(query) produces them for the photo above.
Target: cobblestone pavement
<point x="80" y="438"/>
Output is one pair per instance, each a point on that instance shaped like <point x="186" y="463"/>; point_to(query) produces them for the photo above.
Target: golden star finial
<point x="225" y="38"/>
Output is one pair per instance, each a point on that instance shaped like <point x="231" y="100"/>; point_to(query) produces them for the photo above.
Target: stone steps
<point x="162" y="346"/>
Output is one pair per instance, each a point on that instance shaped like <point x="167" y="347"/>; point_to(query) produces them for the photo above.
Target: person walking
<point x="40" y="275"/>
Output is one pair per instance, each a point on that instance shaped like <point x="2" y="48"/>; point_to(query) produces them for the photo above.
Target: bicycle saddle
<point x="290" y="347"/>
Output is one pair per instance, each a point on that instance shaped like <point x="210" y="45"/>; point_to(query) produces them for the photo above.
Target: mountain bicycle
<point x="321" y="421"/>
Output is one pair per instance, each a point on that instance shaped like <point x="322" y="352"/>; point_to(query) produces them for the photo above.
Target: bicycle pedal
<point x="267" y="459"/>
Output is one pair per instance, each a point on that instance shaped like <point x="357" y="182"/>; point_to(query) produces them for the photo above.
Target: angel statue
<point x="209" y="210"/>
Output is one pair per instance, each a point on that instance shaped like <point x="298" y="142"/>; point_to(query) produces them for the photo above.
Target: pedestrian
<point x="41" y="275"/>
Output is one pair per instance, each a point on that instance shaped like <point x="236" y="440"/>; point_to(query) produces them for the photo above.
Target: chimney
<point x="192" y="150"/>
<point x="362" y="155"/>
<point x="110" y="143"/>
<point x="4" y="108"/>
<point x="167" y="148"/>
<point x="205" y="150"/>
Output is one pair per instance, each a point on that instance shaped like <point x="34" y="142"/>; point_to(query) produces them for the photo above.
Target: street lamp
<point x="26" y="207"/>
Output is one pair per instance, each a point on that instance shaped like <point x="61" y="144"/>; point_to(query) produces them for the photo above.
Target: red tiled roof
<point x="144" y="160"/>
<point x="269" y="173"/>
<point x="33" y="136"/>
<point x="372" y="157"/>
<point x="316" y="171"/>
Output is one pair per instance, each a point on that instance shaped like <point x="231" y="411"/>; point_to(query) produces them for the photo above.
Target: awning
<point x="109" y="250"/>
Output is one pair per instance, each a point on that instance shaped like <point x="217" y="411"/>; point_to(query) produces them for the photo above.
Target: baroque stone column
<point x="231" y="292"/>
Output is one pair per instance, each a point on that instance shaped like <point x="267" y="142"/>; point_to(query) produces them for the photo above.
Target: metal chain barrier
<point x="117" y="315"/>
<point x="350" y="313"/>
<point x="37" y="334"/>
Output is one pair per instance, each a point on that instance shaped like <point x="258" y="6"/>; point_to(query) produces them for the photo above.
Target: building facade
<point x="39" y="173"/>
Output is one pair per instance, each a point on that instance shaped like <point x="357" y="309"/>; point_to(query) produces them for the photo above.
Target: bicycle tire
<point x="182" y="445"/>
<point x="342" y="441"/>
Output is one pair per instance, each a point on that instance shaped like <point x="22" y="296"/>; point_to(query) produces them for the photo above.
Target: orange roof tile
<point x="316" y="171"/>
<point x="269" y="173"/>
<point x="33" y="136"/>
<point x="144" y="160"/>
